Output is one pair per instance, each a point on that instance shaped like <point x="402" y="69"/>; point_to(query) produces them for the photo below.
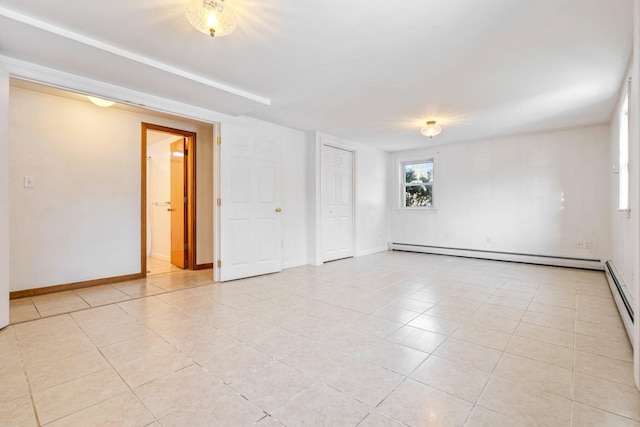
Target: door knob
<point x="170" y="209"/>
<point x="278" y="210"/>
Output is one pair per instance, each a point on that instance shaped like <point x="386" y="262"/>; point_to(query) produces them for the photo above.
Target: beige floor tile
<point x="598" y="330"/>
<point x="350" y="342"/>
<point x="486" y="337"/>
<point x="550" y="321"/>
<point x="205" y="347"/>
<point x="416" y="338"/>
<point x="135" y="348"/>
<point x="272" y="386"/>
<point x="13" y="386"/>
<point x="123" y="410"/>
<point x="223" y="408"/>
<point x="396" y="357"/>
<point x="316" y="361"/>
<point x="457" y="379"/>
<point x="375" y="326"/>
<point x="472" y="355"/>
<point x="67" y="305"/>
<point x="152" y="366"/>
<point x="59" y="349"/>
<point x="435" y="324"/>
<point x="279" y="343"/>
<point x="541" y="351"/>
<point x="22" y="310"/>
<point x="525" y="404"/>
<point x="396" y="314"/>
<point x="364" y="381"/>
<point x="605" y="367"/>
<point x="587" y="416"/>
<point x="416" y="404"/>
<point x="545" y="334"/>
<point x="501" y="311"/>
<point x="520" y="304"/>
<point x="105" y="334"/>
<point x="18" y="412"/>
<point x="542" y="376"/>
<point x="552" y="310"/>
<point x="481" y="417"/>
<point x="47" y="373"/>
<point x="495" y="323"/>
<point x="100" y="295"/>
<point x="607" y="395"/>
<point x="145" y="307"/>
<point x="321" y="406"/>
<point x="602" y="347"/>
<point x="449" y="313"/>
<point x="236" y="363"/>
<point x="137" y="289"/>
<point x="378" y="419"/>
<point x="65" y="399"/>
<point x="178" y="389"/>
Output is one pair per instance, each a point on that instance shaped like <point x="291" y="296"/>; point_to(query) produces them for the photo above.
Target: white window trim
<point x="623" y="161"/>
<point x="400" y="185"/>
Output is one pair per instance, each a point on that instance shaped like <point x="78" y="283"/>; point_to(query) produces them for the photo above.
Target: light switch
<point x="29" y="182"/>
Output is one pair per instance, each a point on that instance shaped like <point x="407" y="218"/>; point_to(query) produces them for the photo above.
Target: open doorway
<point x="168" y="205"/>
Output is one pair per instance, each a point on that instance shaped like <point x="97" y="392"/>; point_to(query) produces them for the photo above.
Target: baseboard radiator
<point x="621" y="296"/>
<point x="586" y="263"/>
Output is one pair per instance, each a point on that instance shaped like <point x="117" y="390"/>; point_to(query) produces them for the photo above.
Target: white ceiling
<point x="371" y="71"/>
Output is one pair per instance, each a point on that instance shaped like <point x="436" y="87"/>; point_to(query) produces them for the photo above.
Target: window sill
<point x="417" y="211"/>
<point x="625" y="213"/>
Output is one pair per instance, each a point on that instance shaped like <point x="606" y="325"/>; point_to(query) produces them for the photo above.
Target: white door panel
<point x="250" y="183"/>
<point x="337" y="203"/>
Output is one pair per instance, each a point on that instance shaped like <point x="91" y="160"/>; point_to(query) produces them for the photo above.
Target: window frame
<point x="402" y="185"/>
<point x="623" y="152"/>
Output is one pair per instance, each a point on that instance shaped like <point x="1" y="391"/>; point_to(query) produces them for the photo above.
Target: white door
<point x="337" y="203"/>
<point x="250" y="183"/>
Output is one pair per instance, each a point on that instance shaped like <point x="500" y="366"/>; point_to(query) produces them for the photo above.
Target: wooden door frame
<point x="190" y="164"/>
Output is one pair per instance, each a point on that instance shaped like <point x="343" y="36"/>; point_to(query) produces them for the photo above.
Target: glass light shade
<point x="213" y="17"/>
<point x="431" y="129"/>
<point x="100" y="102"/>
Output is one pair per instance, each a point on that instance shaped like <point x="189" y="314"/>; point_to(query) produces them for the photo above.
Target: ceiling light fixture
<point x="213" y="17"/>
<point x="431" y="129"/>
<point x="100" y="102"/>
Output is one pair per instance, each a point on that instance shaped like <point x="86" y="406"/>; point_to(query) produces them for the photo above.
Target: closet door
<point x="337" y="203"/>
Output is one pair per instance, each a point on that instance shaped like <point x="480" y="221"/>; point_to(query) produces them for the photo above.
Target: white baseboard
<point x="372" y="251"/>
<point x="618" y="288"/>
<point x="590" y="264"/>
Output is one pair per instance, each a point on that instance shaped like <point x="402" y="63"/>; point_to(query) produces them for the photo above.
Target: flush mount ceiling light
<point x="100" y="102"/>
<point x="213" y="17"/>
<point x="431" y="129"/>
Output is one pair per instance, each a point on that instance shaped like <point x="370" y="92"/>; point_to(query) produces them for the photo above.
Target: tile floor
<point x="390" y="339"/>
<point x="160" y="266"/>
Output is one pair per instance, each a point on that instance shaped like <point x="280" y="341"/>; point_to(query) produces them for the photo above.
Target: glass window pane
<point x="418" y="196"/>
<point x="418" y="172"/>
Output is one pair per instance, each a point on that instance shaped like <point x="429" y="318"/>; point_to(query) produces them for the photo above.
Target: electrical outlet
<point x="587" y="244"/>
<point x="579" y="244"/>
<point x="29" y="182"/>
<point x="488" y="239"/>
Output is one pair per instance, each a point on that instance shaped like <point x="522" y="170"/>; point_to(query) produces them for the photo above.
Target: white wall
<point x="82" y="220"/>
<point x="371" y="184"/>
<point x="4" y="199"/>
<point x="533" y="194"/>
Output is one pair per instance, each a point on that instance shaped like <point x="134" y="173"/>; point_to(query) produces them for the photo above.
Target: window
<point x="418" y="184"/>
<point x="623" y="172"/>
